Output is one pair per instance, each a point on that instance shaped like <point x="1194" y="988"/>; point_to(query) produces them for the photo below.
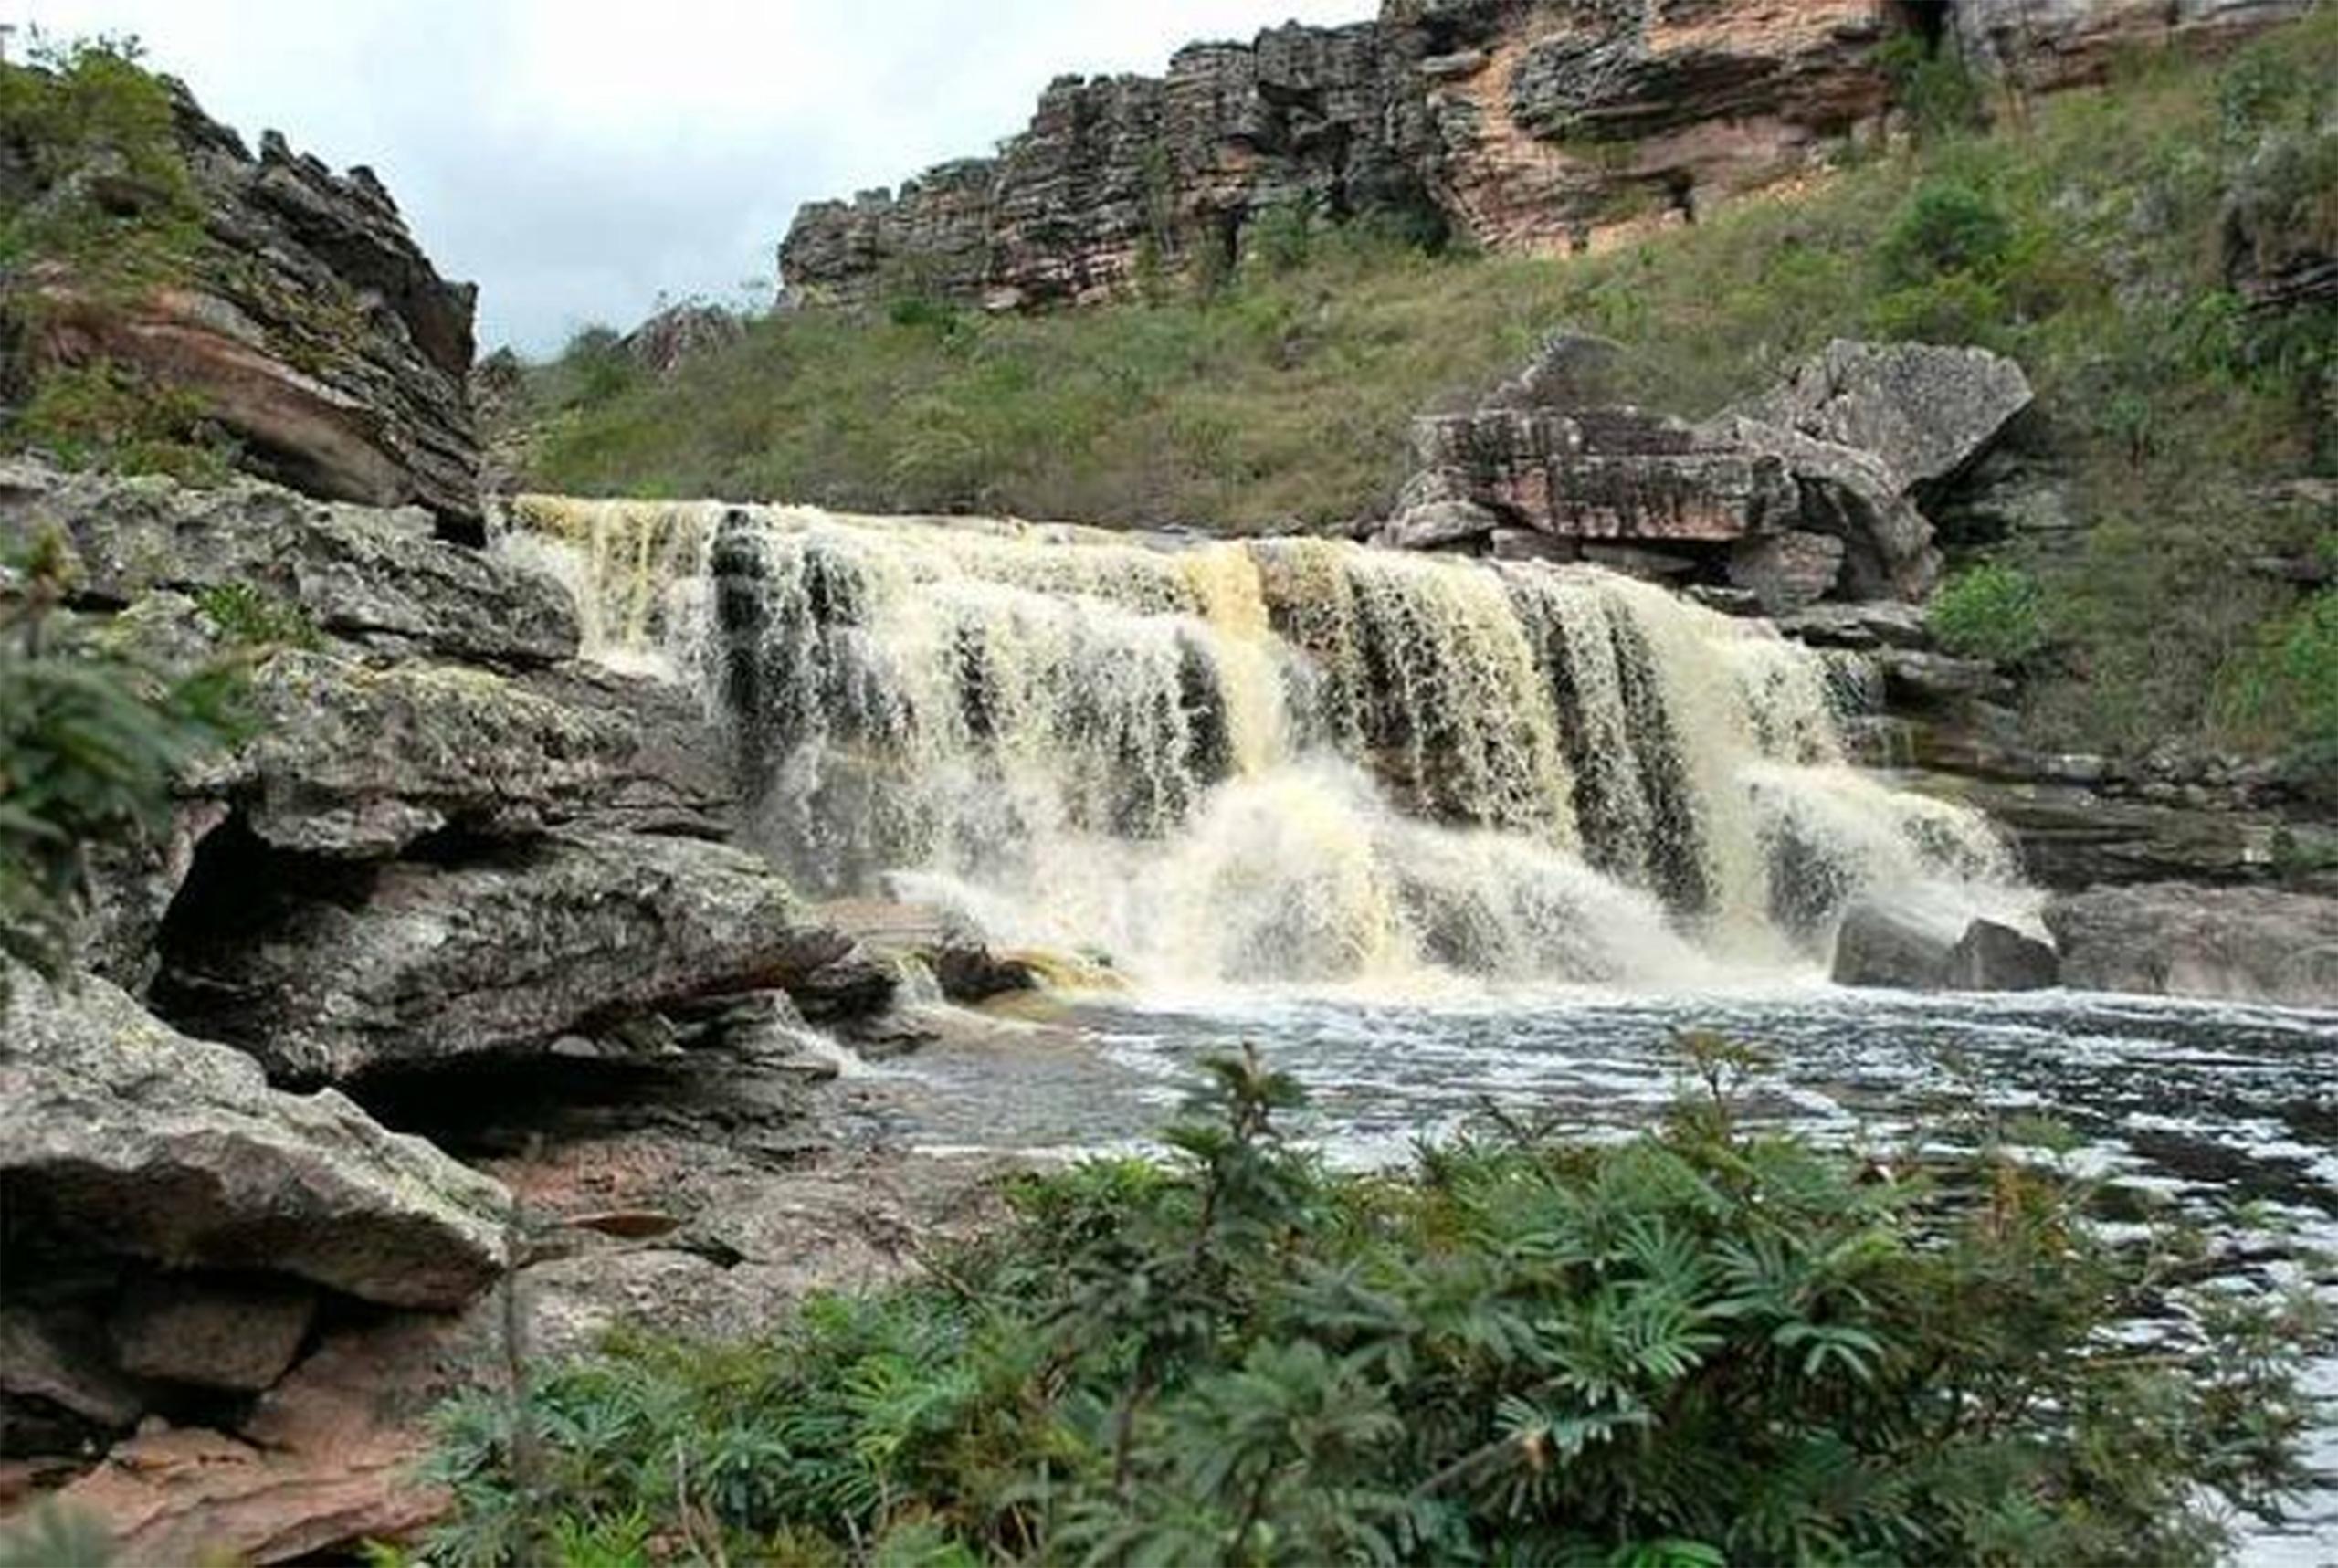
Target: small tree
<point x="90" y="742"/>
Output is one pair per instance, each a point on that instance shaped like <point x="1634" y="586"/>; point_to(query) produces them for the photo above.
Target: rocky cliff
<point x="288" y="305"/>
<point x="1519" y="125"/>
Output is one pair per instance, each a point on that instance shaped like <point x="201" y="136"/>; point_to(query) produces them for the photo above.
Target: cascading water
<point x="1276" y="760"/>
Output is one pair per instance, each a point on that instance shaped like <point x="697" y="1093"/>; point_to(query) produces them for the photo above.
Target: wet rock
<point x="1991" y="957"/>
<point x="2248" y="944"/>
<point x="218" y="1331"/>
<point x="568" y="934"/>
<point x="361" y="573"/>
<point x="948" y="946"/>
<point x="315" y="332"/>
<point x="1889" y="945"/>
<point x="115" y="1128"/>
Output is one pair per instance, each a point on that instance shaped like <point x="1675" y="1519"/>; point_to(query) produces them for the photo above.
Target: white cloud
<point x="579" y="157"/>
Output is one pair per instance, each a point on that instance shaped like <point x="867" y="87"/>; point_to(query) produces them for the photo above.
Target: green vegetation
<point x="2087" y="238"/>
<point x="96" y="199"/>
<point x="1705" y="1345"/>
<point x="105" y="416"/>
<point x="90" y="742"/>
<point x="1991" y="612"/>
<point x="245" y="614"/>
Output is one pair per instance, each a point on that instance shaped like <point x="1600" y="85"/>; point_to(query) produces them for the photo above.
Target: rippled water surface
<point x="2210" y="1104"/>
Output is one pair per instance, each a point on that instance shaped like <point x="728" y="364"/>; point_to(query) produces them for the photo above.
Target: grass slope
<point x="2086" y="235"/>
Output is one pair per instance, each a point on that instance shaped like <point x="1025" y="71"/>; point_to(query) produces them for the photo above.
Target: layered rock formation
<point x="301" y="318"/>
<point x="1523" y="126"/>
<point x="1807" y="492"/>
<point x="447" y="846"/>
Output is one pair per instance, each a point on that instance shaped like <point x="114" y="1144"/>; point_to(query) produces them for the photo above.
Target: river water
<point x="2212" y="1108"/>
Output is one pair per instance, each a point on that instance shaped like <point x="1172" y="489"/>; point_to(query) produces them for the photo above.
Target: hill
<point x="2146" y="251"/>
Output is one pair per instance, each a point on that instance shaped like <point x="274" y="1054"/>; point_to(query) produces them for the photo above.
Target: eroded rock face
<point x="2250" y="945"/>
<point x="498" y="955"/>
<point x="368" y="575"/>
<point x="115" y="1126"/>
<point x="1526" y="127"/>
<point x="309" y="323"/>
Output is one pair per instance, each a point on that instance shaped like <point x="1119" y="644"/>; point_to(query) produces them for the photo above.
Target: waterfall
<point x="1272" y="760"/>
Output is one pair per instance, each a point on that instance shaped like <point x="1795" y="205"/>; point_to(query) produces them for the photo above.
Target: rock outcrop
<point x="501" y="954"/>
<point x="2252" y="945"/>
<point x="1807" y="492"/>
<point x="131" y="1141"/>
<point x="303" y="319"/>
<point x="1522" y="126"/>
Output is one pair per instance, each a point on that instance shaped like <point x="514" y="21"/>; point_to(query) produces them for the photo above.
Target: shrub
<point x="247" y="615"/>
<point x="1945" y="226"/>
<point x="1993" y="612"/>
<point x="1702" y="1345"/>
<point x="90" y="742"/>
<point x="2288" y="684"/>
<point x="105" y="416"/>
<point x="1933" y="84"/>
<point x="88" y="102"/>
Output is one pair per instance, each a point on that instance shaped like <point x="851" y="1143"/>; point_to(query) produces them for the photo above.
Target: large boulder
<point x="119" y="1130"/>
<point x="1809" y="492"/>
<point x="2248" y="944"/>
<point x="1922" y="410"/>
<point x="1882" y="942"/>
<point x="419" y="962"/>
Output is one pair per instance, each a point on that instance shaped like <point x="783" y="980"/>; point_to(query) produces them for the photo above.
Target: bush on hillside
<point x="1993" y="612"/>
<point x="1703" y="1346"/>
<point x="1945" y="226"/>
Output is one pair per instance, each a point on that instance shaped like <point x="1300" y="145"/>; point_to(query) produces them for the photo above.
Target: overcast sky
<point x="578" y="157"/>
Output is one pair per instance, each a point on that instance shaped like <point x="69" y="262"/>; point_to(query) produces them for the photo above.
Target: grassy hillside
<point x="2087" y="236"/>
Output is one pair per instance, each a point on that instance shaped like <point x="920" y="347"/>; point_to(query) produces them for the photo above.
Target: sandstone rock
<point x="1852" y="495"/>
<point x="2043" y="45"/>
<point x="1523" y="127"/>
<point x="503" y="954"/>
<point x="309" y="324"/>
<point x="2249" y="944"/>
<point x="118" y="1129"/>
<point x="1992" y="956"/>
<point x="363" y="573"/>
<point x="1923" y="411"/>
<point x="218" y="1331"/>
<point x="1785" y="572"/>
<point x="329" y="1458"/>
<point x="1615" y="474"/>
